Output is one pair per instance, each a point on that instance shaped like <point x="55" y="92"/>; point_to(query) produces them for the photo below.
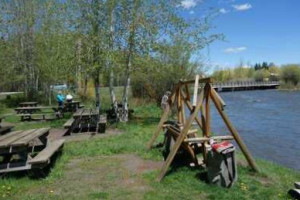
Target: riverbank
<point x="120" y="167"/>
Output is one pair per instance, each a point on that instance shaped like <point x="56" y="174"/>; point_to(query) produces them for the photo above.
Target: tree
<point x="290" y="74"/>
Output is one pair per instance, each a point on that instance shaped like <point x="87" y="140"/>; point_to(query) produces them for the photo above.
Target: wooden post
<point x="179" y="110"/>
<point x="207" y="111"/>
<point x="195" y="90"/>
<point x="180" y="139"/>
<point x="235" y="134"/>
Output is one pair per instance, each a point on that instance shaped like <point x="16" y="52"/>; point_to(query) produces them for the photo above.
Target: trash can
<point x="221" y="164"/>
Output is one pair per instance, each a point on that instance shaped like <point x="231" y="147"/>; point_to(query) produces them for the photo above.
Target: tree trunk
<point x="85" y="86"/>
<point x="114" y="102"/>
<point x="97" y="90"/>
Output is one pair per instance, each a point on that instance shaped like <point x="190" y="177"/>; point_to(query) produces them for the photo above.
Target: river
<point x="267" y="120"/>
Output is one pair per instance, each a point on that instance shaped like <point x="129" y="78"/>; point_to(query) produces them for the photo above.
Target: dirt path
<point x="102" y="177"/>
<point x="59" y="133"/>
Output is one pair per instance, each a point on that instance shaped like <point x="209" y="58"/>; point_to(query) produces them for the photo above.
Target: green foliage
<point x="261" y="75"/>
<point x="290" y="74"/>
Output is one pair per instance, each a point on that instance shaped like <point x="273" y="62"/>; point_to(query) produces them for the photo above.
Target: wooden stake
<point x="235" y="134"/>
<point x="180" y="139"/>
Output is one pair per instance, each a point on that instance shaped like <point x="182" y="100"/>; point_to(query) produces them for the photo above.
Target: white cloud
<point x="235" y="49"/>
<point x="187" y="4"/>
<point x="192" y="12"/>
<point x="223" y="11"/>
<point x="242" y="7"/>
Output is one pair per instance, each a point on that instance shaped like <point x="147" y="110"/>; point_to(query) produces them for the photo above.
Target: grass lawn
<point x="120" y="167"/>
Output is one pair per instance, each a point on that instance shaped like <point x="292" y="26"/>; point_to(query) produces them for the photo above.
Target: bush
<point x="261" y="75"/>
<point x="290" y="74"/>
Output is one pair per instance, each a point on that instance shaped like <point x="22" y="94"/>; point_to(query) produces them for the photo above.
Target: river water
<point x="267" y="120"/>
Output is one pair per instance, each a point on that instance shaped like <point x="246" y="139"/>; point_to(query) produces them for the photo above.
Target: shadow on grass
<point x="35" y="173"/>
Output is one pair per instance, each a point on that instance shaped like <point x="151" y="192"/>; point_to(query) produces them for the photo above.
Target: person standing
<point x="60" y="99"/>
<point x="165" y="100"/>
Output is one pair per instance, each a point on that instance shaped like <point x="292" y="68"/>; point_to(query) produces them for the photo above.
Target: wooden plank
<point x="206" y="139"/>
<point x="180" y="139"/>
<point x="11" y="134"/>
<point x="203" y="80"/>
<point x="222" y="102"/>
<point x="159" y="127"/>
<point x="196" y="90"/>
<point x="26" y="139"/>
<point x="45" y="155"/>
<point x="6" y="142"/>
<point x="69" y="123"/>
<point x="235" y="134"/>
<point x="14" y="169"/>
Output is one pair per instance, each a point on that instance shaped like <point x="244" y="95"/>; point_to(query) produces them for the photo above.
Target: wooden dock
<point x="245" y="85"/>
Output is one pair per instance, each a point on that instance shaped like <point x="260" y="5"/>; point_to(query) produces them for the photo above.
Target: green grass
<point x="272" y="183"/>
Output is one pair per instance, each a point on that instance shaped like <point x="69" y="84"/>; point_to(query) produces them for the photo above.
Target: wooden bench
<point x="69" y="123"/>
<point x="42" y="116"/>
<point x="44" y="156"/>
<point x="5" y="129"/>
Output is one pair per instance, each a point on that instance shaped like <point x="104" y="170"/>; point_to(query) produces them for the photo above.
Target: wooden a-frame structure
<point x="180" y="97"/>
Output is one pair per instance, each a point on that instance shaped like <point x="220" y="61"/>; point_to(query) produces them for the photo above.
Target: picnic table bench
<point x="86" y="120"/>
<point x="28" y="104"/>
<point x="25" y="150"/>
<point x="29" y="113"/>
<point x="4" y="128"/>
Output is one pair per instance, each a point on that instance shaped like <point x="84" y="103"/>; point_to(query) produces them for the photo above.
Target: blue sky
<point x="255" y="30"/>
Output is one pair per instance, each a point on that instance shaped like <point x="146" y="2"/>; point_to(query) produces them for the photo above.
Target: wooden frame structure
<point x="199" y="112"/>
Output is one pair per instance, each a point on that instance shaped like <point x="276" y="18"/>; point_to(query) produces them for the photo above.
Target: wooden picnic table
<point x="28" y="112"/>
<point x="24" y="150"/>
<point x="72" y="106"/>
<point x="28" y="104"/>
<point x="86" y="120"/>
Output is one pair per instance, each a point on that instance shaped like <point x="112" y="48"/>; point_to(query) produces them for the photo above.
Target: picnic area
<point x="144" y="100"/>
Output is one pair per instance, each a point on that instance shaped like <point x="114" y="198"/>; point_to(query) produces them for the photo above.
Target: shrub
<point x="261" y="75"/>
<point x="290" y="74"/>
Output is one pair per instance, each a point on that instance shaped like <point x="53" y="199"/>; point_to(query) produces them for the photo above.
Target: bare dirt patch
<point x="103" y="177"/>
<point x="88" y="135"/>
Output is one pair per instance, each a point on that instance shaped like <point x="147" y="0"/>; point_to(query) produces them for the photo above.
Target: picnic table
<point x="27" y="113"/>
<point x="4" y="128"/>
<point x="28" y="104"/>
<point x="72" y="106"/>
<point x="24" y="150"/>
<point x="86" y="120"/>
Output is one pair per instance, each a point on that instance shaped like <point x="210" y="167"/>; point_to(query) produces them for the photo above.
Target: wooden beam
<point x="207" y="110"/>
<point x="196" y="90"/>
<point x="222" y="102"/>
<point x="203" y="80"/>
<point x="207" y="139"/>
<point x="235" y="134"/>
<point x="159" y="127"/>
<point x="180" y="139"/>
